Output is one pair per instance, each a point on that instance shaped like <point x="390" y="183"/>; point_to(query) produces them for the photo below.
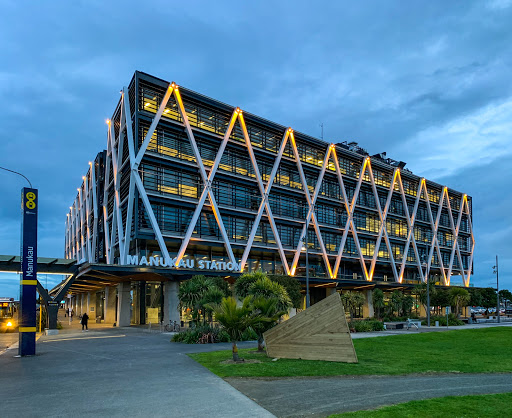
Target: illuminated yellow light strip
<point x="27" y="329"/>
<point x="29" y="282"/>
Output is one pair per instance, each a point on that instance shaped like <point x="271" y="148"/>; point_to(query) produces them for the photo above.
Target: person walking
<point x="85" y="318"/>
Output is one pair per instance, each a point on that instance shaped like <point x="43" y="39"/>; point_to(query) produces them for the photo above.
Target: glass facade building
<point x="186" y="177"/>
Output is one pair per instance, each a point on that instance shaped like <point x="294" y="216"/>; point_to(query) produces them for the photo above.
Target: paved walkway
<point x="413" y="330"/>
<point x="324" y="396"/>
<point x="116" y="372"/>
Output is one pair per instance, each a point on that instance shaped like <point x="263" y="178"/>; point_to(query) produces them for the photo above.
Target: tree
<point x="378" y="300"/>
<point x="269" y="289"/>
<point x="244" y="282"/>
<point x="222" y="284"/>
<point x="191" y="292"/>
<point x="195" y="293"/>
<point x="268" y="309"/>
<point x="476" y="296"/>
<point x="420" y="290"/>
<point x="505" y="297"/>
<point x="440" y="298"/>
<point x="235" y="320"/>
<point x="212" y="297"/>
<point x="292" y="286"/>
<point x="407" y="304"/>
<point x="352" y="301"/>
<point x="397" y="301"/>
<point x="459" y="298"/>
<point x="488" y="297"/>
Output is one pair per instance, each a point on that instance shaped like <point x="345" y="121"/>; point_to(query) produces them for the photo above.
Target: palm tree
<point x="352" y="301"/>
<point x="235" y="320"/>
<point x="378" y="300"/>
<point x="191" y="294"/>
<point x="269" y="289"/>
<point x="245" y="281"/>
<point x="459" y="297"/>
<point x="212" y="297"/>
<point x="268" y="309"/>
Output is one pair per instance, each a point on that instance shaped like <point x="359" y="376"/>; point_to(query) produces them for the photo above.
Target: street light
<point x="304" y="240"/>
<point x="495" y="271"/>
<point x="424" y="262"/>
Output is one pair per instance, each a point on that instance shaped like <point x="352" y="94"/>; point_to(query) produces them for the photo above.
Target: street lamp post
<point x="424" y="262"/>
<point x="305" y="244"/>
<point x="495" y="271"/>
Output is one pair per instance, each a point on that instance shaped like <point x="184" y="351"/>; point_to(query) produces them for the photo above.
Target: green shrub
<point x="452" y="320"/>
<point x="366" y="325"/>
<point x="249" y="335"/>
<point x="207" y="334"/>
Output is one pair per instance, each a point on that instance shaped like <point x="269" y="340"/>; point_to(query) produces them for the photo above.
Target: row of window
<point x="177" y="146"/>
<point x="186" y="184"/>
<point x="176" y="220"/>
<point x="202" y="117"/>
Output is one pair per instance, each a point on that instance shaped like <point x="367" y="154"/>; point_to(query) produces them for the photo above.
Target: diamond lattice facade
<point x="188" y="178"/>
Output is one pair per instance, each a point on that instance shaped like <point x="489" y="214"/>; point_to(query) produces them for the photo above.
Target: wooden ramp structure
<point x="318" y="333"/>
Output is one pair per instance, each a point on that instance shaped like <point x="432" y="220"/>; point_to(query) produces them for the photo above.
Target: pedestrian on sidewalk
<point x="85" y="318"/>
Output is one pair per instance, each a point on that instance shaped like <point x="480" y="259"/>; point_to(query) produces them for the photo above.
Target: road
<point x="297" y="397"/>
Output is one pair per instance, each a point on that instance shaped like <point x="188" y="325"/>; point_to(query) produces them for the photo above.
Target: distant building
<point x="195" y="186"/>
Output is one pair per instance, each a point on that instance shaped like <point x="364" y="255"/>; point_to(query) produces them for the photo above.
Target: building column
<point x="110" y="304"/>
<point x="171" y="302"/>
<point x="123" y="304"/>
<point x="89" y="304"/>
<point x="83" y="304"/>
<point x="368" y="311"/>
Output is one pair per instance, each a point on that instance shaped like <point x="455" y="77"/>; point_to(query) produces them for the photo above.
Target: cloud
<point x="429" y="84"/>
<point x="468" y="141"/>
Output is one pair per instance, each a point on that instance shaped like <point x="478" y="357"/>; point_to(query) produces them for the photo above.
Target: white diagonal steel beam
<point x="349" y="225"/>
<point x="207" y="182"/>
<point x="311" y="201"/>
<point x="264" y="194"/>
<point x="265" y="204"/>
<point x="410" y="234"/>
<point x="383" y="226"/>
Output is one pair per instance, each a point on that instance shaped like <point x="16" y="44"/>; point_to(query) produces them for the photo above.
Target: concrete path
<point x="324" y="396"/>
<point x="116" y="372"/>
<point x="413" y="330"/>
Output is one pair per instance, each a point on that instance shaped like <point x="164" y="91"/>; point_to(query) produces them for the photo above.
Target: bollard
<point x="437" y="323"/>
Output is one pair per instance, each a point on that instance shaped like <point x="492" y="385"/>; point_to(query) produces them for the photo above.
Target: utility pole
<point x="495" y="271"/>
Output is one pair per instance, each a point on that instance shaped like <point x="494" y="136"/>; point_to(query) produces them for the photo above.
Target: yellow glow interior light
<point x="9" y="324"/>
<point x="147" y="104"/>
<point x="167" y="111"/>
<point x="107" y="121"/>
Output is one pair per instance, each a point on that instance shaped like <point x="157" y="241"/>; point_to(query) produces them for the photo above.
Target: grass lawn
<point x="451" y="406"/>
<point x="465" y="351"/>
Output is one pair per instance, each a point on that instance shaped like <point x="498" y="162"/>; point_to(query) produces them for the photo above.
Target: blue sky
<point x="427" y="82"/>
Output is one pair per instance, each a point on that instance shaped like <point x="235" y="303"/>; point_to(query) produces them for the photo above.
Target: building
<point x="191" y="185"/>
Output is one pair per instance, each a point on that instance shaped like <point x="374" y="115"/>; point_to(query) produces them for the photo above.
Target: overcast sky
<point x="428" y="82"/>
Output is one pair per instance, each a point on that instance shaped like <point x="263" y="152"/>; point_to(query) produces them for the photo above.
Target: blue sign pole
<point x="28" y="283"/>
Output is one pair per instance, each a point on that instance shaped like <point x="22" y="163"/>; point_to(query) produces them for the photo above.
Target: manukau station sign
<point x="157" y="261"/>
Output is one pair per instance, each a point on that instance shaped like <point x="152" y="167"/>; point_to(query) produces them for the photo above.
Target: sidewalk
<point x="422" y="329"/>
<point x="117" y="372"/>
